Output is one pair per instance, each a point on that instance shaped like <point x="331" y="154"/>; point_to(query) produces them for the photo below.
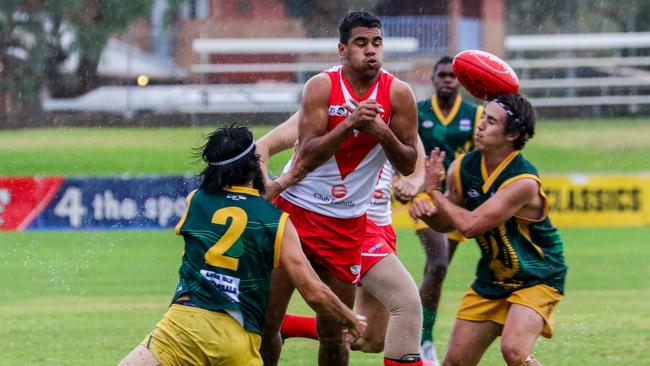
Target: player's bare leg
<point x="469" y="340"/>
<point x="334" y="349"/>
<point x="523" y="326"/>
<point x="394" y="287"/>
<point x="439" y="251"/>
<point x="372" y="340"/>
<point x="279" y="297"/>
<point x="140" y="356"/>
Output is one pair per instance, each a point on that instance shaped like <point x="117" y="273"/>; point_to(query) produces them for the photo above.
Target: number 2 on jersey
<point x="215" y="255"/>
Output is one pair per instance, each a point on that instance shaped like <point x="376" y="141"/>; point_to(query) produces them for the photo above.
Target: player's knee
<point x="271" y="329"/>
<point x="436" y="269"/>
<point x="406" y="304"/>
<point x="413" y="305"/>
<point x="513" y="353"/>
<point x="332" y="343"/>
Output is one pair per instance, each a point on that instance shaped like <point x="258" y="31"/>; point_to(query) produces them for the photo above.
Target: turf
<point x="87" y="298"/>
<point x="85" y="151"/>
<point x="616" y="145"/>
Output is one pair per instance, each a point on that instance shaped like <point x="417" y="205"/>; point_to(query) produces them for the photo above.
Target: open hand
<point x="434" y="171"/>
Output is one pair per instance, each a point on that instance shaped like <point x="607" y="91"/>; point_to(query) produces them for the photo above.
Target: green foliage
<point x="37" y="30"/>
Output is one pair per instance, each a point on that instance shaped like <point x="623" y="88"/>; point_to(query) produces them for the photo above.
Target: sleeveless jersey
<point x="232" y="242"/>
<point x="453" y="134"/>
<point x="521" y="252"/>
<point x="343" y="185"/>
<point x="380" y="211"/>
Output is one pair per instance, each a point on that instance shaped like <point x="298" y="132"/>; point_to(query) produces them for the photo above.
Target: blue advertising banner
<point x="116" y="203"/>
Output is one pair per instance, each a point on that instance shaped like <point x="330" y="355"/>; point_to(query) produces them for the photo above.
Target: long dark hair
<point x="223" y="144"/>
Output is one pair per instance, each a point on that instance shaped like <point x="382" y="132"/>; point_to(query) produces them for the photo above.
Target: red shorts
<point x="379" y="242"/>
<point x="332" y="243"/>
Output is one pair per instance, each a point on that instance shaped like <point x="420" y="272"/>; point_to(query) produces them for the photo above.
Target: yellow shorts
<point x="419" y="224"/>
<point x="540" y="298"/>
<point x="193" y="336"/>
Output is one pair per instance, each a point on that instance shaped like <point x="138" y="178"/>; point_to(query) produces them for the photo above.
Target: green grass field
<point x="615" y="145"/>
<point x="87" y="298"/>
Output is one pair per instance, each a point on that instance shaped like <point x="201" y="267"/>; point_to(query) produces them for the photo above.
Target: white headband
<point x="228" y="161"/>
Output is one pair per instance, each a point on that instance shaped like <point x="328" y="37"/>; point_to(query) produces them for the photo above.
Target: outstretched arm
<point x="317" y="294"/>
<point x="280" y="138"/>
<point x="425" y="210"/>
<point x="504" y="204"/>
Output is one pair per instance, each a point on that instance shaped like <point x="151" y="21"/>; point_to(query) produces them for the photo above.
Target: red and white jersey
<point x="343" y="186"/>
<point x="380" y="211"/>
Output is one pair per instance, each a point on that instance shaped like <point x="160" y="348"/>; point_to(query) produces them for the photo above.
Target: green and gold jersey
<point x="454" y="133"/>
<point x="521" y="252"/>
<point x="232" y="242"/>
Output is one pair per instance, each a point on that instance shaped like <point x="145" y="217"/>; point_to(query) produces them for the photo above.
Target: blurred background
<point x="103" y="102"/>
<point x="182" y="62"/>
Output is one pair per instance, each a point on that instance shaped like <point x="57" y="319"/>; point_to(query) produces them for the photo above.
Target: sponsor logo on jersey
<point x="473" y="193"/>
<point x="235" y="197"/>
<point x="227" y="285"/>
<point x="339" y="191"/>
<point x="465" y="125"/>
<point x="375" y="247"/>
<point x="427" y="124"/>
<point x="379" y="193"/>
<point x="355" y="270"/>
<point x="337" y="110"/>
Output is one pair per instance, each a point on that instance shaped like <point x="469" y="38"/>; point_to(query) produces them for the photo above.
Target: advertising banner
<point x="158" y="202"/>
<point x="56" y="203"/>
<point x="598" y="200"/>
<point x="584" y="200"/>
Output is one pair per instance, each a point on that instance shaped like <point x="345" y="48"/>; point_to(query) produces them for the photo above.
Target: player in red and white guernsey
<point x="388" y="296"/>
<point x="352" y="119"/>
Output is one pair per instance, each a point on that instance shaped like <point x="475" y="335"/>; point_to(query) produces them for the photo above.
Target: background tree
<point x="38" y="37"/>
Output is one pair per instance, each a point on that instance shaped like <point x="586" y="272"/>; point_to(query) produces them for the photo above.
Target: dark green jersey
<point x="521" y="252"/>
<point x="232" y="242"/>
<point x="453" y="134"/>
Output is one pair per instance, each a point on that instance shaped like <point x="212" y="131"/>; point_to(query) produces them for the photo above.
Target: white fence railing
<point x="582" y="70"/>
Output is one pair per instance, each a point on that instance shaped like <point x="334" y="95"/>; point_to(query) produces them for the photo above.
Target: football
<point x="484" y="74"/>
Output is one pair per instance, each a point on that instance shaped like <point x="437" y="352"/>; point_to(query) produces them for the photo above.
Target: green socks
<point x="429" y="317"/>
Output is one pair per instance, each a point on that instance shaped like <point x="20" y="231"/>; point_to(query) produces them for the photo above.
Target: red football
<point x="484" y="74"/>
